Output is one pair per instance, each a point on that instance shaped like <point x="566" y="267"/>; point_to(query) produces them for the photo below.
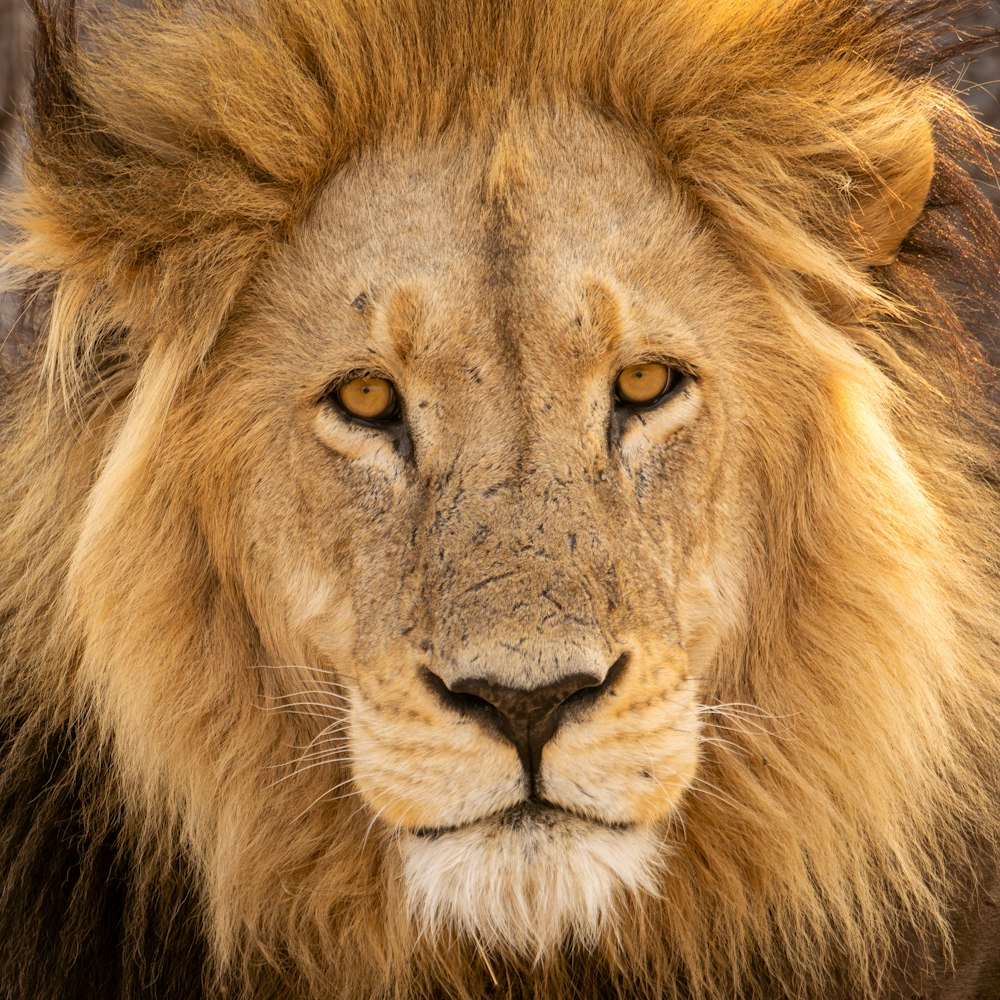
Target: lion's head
<point x="511" y="493"/>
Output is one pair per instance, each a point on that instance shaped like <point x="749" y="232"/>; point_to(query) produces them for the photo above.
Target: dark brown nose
<point x="527" y="717"/>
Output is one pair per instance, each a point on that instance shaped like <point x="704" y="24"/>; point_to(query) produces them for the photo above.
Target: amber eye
<point x="369" y="398"/>
<point x="640" y="385"/>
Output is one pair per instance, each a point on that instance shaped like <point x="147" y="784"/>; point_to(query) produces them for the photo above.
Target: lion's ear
<point x="888" y="200"/>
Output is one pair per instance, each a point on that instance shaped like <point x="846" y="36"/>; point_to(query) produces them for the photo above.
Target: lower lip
<point x="523" y="814"/>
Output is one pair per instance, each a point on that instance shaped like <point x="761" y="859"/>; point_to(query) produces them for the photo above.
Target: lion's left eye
<point x="368" y="398"/>
<point x="646" y="384"/>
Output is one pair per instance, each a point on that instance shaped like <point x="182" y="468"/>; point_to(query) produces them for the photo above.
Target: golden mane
<point x="165" y="162"/>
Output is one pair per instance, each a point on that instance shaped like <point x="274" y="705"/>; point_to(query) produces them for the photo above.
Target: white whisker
<point x="301" y="704"/>
<point x="303" y="694"/>
<point x="301" y="770"/>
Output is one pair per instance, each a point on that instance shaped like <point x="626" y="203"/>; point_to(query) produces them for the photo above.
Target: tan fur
<point x="240" y="588"/>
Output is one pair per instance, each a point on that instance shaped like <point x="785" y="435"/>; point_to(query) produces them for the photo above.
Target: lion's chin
<point x="526" y="880"/>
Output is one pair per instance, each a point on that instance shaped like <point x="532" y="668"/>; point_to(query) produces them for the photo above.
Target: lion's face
<point x="517" y="671"/>
<point x="500" y="604"/>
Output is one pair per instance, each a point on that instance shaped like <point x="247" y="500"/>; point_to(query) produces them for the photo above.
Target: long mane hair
<point x="851" y="743"/>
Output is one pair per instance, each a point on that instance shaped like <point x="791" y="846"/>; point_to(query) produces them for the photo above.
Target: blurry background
<point x="14" y="21"/>
<point x="981" y="78"/>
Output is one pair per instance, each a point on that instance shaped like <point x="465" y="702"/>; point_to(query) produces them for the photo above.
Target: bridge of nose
<point x="514" y="666"/>
<point x="520" y="587"/>
<point x="517" y="582"/>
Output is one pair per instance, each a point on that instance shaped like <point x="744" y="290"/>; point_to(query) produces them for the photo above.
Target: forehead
<point x="555" y="233"/>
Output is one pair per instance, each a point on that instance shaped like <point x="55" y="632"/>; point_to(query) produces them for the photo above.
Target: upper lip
<point x="521" y="810"/>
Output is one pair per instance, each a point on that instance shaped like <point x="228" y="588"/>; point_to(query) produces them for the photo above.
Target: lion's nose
<point x="528" y="717"/>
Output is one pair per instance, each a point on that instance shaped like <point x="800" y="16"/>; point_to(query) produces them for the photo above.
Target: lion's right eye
<point x="645" y="385"/>
<point x="369" y="399"/>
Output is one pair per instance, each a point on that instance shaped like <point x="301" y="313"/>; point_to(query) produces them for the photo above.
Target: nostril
<point x="464" y="702"/>
<point x="586" y="696"/>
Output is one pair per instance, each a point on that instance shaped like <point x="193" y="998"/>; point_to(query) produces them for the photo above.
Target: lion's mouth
<point x="532" y="813"/>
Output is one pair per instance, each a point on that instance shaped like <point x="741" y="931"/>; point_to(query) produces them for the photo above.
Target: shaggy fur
<point x="180" y="175"/>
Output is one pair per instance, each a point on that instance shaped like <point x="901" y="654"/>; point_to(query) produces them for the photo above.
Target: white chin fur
<point x="529" y="886"/>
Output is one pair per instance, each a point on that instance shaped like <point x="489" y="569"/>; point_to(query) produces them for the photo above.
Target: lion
<point x="502" y="502"/>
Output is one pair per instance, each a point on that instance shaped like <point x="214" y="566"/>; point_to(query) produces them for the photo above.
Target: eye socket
<point x="646" y="384"/>
<point x="368" y="398"/>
